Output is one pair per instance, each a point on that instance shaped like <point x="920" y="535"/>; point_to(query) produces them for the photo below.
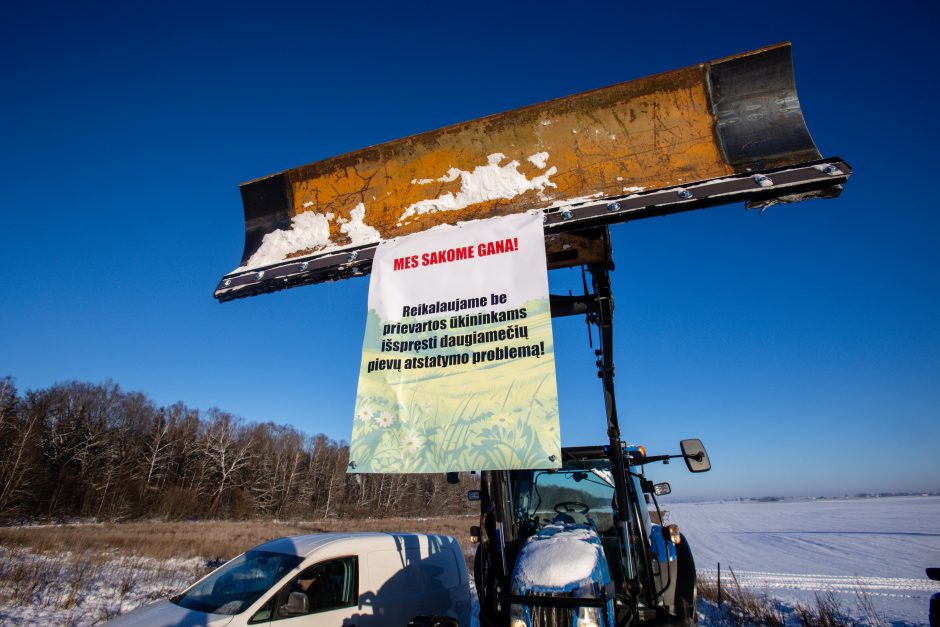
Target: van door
<point x="323" y="595"/>
<point x="416" y="579"/>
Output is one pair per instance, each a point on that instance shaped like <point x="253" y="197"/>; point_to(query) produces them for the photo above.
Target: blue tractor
<point x="584" y="545"/>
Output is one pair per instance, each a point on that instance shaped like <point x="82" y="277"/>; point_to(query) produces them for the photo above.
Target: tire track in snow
<point x="877" y="586"/>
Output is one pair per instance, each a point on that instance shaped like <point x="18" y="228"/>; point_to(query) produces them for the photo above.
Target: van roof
<point x="306" y="544"/>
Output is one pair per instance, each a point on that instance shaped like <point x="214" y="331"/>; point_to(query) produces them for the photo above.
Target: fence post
<point x="719" y="585"/>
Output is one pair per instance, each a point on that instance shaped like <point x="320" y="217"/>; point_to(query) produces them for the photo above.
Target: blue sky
<point x="802" y="344"/>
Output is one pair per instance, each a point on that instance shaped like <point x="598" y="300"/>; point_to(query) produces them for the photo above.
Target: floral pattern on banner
<point x="499" y="414"/>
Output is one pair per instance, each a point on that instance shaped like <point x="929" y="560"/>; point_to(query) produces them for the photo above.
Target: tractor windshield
<point x="582" y="495"/>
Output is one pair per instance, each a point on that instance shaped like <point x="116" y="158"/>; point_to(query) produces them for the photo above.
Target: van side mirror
<point x="297" y="604"/>
<point x="473" y="495"/>
<point x="696" y="459"/>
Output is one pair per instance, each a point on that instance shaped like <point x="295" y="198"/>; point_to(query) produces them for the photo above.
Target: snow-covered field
<point x="793" y="549"/>
<point x="84" y="588"/>
<point x="789" y="550"/>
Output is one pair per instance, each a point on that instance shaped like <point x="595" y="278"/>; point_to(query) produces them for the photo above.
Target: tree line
<point x="81" y="449"/>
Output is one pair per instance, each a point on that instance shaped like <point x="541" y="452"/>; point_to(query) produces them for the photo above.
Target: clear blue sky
<point x="802" y="345"/>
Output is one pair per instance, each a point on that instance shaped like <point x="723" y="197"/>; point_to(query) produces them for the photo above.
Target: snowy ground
<point x="789" y="550"/>
<point x="85" y="588"/>
<point x="793" y="549"/>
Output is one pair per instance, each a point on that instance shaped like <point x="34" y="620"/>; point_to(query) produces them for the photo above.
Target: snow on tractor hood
<point x="562" y="558"/>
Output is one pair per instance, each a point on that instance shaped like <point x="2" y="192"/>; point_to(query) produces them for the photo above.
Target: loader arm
<point x="725" y="131"/>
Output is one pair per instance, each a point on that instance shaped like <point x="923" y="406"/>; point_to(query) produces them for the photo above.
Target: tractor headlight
<point x="588" y="617"/>
<point x="517" y="616"/>
<point x="674" y="534"/>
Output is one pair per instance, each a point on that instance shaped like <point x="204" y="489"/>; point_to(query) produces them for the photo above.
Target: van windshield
<point x="235" y="586"/>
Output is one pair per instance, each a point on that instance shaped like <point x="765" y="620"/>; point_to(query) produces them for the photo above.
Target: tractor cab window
<point x="581" y="495"/>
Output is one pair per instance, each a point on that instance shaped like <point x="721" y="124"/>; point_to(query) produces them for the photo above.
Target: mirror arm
<point x="649" y="459"/>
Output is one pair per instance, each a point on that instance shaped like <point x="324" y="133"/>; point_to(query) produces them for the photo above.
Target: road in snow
<point x="792" y="549"/>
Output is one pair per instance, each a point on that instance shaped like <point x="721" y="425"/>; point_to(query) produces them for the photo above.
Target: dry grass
<point x="82" y="574"/>
<point x="871" y="616"/>
<point x="742" y="606"/>
<point x="206" y="539"/>
<point x="84" y="587"/>
<point x="827" y="612"/>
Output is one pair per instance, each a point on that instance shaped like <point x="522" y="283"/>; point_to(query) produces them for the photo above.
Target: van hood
<point x="166" y="614"/>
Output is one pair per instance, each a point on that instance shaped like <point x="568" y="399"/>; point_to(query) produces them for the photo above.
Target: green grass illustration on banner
<point x="485" y="404"/>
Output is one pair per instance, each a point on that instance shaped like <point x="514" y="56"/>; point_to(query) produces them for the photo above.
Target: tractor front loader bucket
<point x="725" y="131"/>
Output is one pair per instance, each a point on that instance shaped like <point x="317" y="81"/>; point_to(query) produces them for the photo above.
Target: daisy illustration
<point x="364" y="413"/>
<point x="385" y="419"/>
<point x="412" y="442"/>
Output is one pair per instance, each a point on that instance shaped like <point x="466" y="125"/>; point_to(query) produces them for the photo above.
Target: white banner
<point x="458" y="366"/>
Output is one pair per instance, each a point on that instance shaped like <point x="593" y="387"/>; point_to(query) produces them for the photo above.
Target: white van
<point x="324" y="580"/>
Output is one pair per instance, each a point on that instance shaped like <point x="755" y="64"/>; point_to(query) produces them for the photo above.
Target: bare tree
<point x="84" y="449"/>
<point x="19" y="434"/>
<point x="228" y="449"/>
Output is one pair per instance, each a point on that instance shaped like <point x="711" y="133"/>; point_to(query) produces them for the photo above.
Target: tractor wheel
<point x="478" y="572"/>
<point x="686" y="594"/>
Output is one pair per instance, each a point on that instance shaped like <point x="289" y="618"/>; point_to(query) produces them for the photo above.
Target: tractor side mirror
<point x="696" y="459"/>
<point x="473" y="495"/>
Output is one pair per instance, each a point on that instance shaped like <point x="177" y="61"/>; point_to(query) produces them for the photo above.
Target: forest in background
<point x="95" y="450"/>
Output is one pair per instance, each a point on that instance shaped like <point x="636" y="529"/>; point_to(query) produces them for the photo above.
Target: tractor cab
<point x="557" y="549"/>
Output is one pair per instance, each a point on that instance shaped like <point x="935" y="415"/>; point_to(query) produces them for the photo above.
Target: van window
<point x="405" y="573"/>
<point x="325" y="586"/>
